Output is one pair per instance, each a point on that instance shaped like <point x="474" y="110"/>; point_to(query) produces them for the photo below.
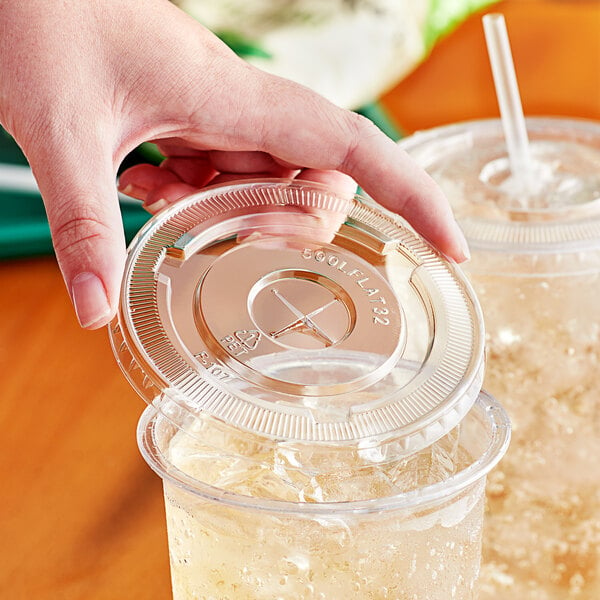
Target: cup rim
<point x="557" y="235"/>
<point x="424" y="497"/>
<point x="422" y="136"/>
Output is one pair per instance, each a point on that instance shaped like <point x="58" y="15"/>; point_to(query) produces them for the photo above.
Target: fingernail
<point x="133" y="191"/>
<point x="89" y="299"/>
<point x="462" y="243"/>
<point x="156" y="206"/>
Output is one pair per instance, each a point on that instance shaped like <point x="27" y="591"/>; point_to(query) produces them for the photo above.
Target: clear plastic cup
<point x="536" y="270"/>
<point x="227" y="541"/>
<point x="318" y="423"/>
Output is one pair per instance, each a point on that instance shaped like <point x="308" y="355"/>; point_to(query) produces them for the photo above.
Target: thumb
<point x="80" y="195"/>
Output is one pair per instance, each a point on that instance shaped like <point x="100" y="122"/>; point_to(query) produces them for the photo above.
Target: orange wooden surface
<point x="81" y="515"/>
<point x="556" y="48"/>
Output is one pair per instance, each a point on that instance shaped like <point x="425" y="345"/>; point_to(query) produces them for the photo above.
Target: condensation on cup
<point x="313" y="372"/>
<point x="536" y="271"/>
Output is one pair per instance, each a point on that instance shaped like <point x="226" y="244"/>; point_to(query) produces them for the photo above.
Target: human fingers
<point x="195" y="171"/>
<point x="85" y="222"/>
<point x="189" y="171"/>
<point x="175" y="147"/>
<point x="161" y="197"/>
<point x="340" y="182"/>
<point x="151" y="183"/>
<point x="343" y="185"/>
<point x="247" y="162"/>
<point x="396" y="182"/>
<point x="139" y="180"/>
<point x="284" y="225"/>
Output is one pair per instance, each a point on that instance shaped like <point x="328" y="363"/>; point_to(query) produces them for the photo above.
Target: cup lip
<point x="424" y="497"/>
<point x="556" y="236"/>
<point x="423" y="135"/>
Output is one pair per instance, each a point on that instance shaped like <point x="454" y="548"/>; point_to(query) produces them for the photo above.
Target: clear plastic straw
<point x="509" y="100"/>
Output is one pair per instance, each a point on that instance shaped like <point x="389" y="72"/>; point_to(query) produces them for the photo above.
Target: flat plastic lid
<point x="287" y="310"/>
<point x="560" y="212"/>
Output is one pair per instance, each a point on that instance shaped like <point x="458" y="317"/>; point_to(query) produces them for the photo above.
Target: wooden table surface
<point x="81" y="515"/>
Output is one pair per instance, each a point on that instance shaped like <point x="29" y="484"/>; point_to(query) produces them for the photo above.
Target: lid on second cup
<point x="294" y="313"/>
<point x="560" y="210"/>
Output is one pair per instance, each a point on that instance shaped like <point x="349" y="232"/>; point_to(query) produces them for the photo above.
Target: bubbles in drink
<point x="220" y="551"/>
<point x="542" y="536"/>
<point x="536" y="271"/>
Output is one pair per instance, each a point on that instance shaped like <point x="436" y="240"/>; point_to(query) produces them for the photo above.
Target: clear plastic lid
<point x="558" y="212"/>
<point x="288" y="311"/>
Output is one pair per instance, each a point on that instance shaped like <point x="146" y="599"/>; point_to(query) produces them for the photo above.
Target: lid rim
<point x="141" y="343"/>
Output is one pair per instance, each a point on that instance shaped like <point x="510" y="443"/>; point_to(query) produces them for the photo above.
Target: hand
<point x="83" y="83"/>
<point x="186" y="170"/>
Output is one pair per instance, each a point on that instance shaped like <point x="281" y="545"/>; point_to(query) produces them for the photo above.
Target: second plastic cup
<point x="227" y="541"/>
<point x="536" y="269"/>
